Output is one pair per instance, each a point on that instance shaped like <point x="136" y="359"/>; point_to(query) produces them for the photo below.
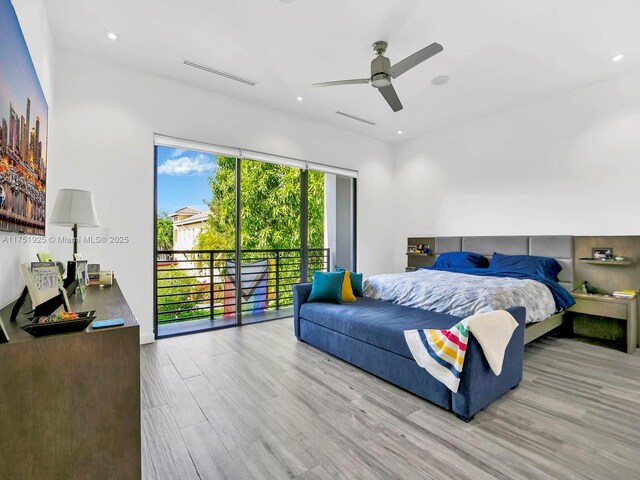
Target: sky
<point x="183" y="178"/>
<point x="18" y="78"/>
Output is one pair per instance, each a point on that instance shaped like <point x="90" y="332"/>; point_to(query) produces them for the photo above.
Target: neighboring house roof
<point x="184" y="211"/>
<point x="200" y="217"/>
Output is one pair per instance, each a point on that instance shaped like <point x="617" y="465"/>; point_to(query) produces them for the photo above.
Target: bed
<point x="464" y="292"/>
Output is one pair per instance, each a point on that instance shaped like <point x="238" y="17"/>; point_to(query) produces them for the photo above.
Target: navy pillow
<point x="531" y="264"/>
<point x="461" y="260"/>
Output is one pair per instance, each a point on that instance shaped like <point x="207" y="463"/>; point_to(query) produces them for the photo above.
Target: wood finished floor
<point x="254" y="403"/>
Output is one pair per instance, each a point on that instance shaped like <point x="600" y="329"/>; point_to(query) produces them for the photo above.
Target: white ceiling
<point x="499" y="53"/>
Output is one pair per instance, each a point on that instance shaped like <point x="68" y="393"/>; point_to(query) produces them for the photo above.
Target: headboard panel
<point x="448" y="244"/>
<point x="559" y="247"/>
<point x="487" y="245"/>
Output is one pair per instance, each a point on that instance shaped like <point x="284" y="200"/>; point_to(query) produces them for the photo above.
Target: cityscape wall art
<point x="23" y="132"/>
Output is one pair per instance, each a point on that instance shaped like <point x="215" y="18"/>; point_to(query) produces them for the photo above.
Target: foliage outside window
<point x="270" y="210"/>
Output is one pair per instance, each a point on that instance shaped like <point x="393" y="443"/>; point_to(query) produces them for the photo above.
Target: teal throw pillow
<point x="356" y="281"/>
<point x="327" y="287"/>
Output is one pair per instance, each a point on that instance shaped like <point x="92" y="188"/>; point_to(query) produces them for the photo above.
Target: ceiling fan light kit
<point x="382" y="71"/>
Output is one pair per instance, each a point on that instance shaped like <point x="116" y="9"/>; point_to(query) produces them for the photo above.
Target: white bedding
<point x="460" y="294"/>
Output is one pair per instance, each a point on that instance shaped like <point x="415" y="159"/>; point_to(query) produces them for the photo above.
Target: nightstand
<point x="612" y="307"/>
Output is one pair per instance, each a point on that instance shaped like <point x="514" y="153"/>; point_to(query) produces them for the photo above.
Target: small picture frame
<point x="65" y="299"/>
<point x="81" y="287"/>
<point x="602" y="253"/>
<point x="411" y="249"/>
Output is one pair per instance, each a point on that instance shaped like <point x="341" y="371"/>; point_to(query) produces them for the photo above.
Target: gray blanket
<point x="460" y="294"/>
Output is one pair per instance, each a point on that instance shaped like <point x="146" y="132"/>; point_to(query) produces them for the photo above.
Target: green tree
<point x="164" y="231"/>
<point x="270" y="207"/>
<point x="178" y="299"/>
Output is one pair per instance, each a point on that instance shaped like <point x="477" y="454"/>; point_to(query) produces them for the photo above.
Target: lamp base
<point x="75" y="239"/>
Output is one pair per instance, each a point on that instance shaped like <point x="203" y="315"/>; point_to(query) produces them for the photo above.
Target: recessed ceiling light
<point x="399" y="132"/>
<point x="441" y="80"/>
<point x="112" y="36"/>
<point x="299" y="98"/>
<point x="618" y="57"/>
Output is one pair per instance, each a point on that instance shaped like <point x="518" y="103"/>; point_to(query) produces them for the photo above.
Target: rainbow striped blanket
<point x="442" y="352"/>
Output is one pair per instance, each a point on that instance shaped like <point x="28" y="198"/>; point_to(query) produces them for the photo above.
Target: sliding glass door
<point x="236" y="230"/>
<point x="195" y="240"/>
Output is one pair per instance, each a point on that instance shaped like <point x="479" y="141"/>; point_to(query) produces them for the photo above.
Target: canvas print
<point x="23" y="132"/>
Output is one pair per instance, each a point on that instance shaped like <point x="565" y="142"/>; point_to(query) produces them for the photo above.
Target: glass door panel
<point x="317" y="227"/>
<point x="195" y="241"/>
<point x="270" y="239"/>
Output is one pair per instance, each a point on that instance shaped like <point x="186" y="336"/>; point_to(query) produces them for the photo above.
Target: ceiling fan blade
<point x="390" y="95"/>
<point x="412" y="60"/>
<point x="342" y="82"/>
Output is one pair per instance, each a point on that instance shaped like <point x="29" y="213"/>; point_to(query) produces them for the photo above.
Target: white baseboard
<point x="147" y="338"/>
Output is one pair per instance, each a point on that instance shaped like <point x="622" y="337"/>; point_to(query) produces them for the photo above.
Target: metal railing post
<point x="211" y="302"/>
<point x="278" y="280"/>
<point x="238" y="242"/>
<point x="304" y="226"/>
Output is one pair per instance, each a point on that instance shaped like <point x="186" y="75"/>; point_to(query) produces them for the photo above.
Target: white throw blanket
<point x="442" y="352"/>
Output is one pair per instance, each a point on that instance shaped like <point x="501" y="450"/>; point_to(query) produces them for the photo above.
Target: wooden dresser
<point x="70" y="403"/>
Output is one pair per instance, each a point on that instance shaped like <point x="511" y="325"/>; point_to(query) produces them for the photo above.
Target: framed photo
<point x="23" y="128"/>
<point x="602" y="253"/>
<point x="82" y="273"/>
<point x="411" y="249"/>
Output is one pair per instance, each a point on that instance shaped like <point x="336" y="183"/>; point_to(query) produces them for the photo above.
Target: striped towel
<point x="442" y="352"/>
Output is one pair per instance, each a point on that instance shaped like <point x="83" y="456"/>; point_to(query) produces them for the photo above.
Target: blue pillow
<point x="356" y="281"/>
<point x="326" y="287"/>
<point x="461" y="260"/>
<point x="531" y="264"/>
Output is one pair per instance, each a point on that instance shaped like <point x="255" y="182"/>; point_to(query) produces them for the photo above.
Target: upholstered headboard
<point x="559" y="247"/>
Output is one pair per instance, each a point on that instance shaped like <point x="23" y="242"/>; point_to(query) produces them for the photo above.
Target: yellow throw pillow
<point x="347" y="291"/>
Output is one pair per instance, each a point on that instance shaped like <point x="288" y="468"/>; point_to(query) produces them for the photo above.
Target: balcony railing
<point x="201" y="284"/>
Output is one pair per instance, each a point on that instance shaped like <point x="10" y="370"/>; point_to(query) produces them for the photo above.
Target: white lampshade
<point x="74" y="207"/>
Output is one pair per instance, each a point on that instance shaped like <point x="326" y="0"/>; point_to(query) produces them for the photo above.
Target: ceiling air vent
<point x="353" y="117"/>
<point x="230" y="76"/>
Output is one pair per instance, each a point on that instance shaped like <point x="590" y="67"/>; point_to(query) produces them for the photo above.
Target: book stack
<point x="624" y="293"/>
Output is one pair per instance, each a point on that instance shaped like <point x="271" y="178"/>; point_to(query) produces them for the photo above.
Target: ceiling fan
<point x="382" y="72"/>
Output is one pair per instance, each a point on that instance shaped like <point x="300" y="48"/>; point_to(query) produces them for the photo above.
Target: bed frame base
<point x="536" y="330"/>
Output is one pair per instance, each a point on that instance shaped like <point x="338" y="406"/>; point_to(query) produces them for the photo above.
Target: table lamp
<point x="74" y="208"/>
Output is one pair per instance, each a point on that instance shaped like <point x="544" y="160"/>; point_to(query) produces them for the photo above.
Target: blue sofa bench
<point x="370" y="334"/>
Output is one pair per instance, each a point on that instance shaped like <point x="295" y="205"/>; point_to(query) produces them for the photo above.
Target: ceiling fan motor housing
<point x="379" y="65"/>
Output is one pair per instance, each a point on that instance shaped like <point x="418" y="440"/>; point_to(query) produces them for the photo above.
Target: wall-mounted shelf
<point x="606" y="262"/>
<point x="419" y="259"/>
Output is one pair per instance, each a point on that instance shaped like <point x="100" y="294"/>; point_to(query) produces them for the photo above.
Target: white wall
<point x="106" y="117"/>
<point x="569" y="164"/>
<point x="14" y="248"/>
